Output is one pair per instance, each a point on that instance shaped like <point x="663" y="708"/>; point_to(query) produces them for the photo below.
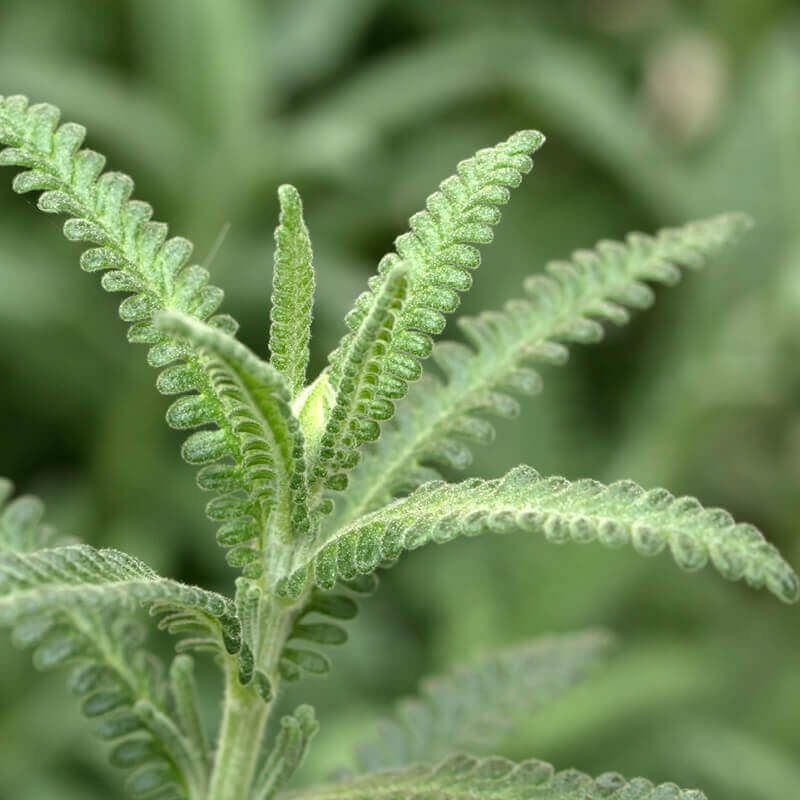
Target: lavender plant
<point x="319" y="485"/>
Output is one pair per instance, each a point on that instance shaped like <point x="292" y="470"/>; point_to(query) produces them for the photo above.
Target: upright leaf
<point x="439" y="254"/>
<point x="292" y="292"/>
<point x="360" y="401"/>
<point x="139" y="260"/>
<point x="190" y="762"/>
<point x="288" y="751"/>
<point x="21" y="526"/>
<point x="187" y="706"/>
<point x="269" y="439"/>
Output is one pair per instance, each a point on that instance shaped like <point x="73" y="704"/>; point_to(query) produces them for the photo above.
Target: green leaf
<point x="312" y="408"/>
<point x="581" y="511"/>
<point x="476" y="705"/>
<point x="439" y="254"/>
<point x="287" y="754"/>
<point x="359" y="402"/>
<point x="268" y="435"/>
<point x="187" y="709"/>
<point x="73" y="182"/>
<point x="467" y="778"/>
<point x="292" y="292"/>
<point x="72" y="604"/>
<point x="138" y="258"/>
<point x="296" y="660"/>
<point x="21" y="527"/>
<point x="190" y="761"/>
<point x="80" y="577"/>
<point x="439" y="420"/>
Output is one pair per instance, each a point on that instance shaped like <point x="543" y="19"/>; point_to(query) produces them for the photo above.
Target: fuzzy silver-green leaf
<point x="292" y="292"/>
<point x="562" y="511"/>
<point x="440" y="420"/>
<point x="465" y="777"/>
<point x="270" y="442"/>
<point x="440" y="254"/>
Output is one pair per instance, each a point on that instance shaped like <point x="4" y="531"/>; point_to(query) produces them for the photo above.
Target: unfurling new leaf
<point x="292" y="292"/>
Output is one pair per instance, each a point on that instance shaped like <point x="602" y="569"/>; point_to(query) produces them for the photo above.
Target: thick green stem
<point x="244" y="717"/>
<point x="245" y="714"/>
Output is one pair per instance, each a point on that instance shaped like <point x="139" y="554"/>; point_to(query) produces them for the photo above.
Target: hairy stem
<point x="245" y="714"/>
<point x="244" y="718"/>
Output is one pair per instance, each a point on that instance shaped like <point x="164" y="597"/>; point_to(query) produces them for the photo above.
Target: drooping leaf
<point x="580" y="511"/>
<point x="467" y="778"/>
<point x="73" y="605"/>
<point x="78" y="576"/>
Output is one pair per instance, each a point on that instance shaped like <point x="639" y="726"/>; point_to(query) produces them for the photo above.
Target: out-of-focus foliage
<point x="655" y="113"/>
<point x="476" y="705"/>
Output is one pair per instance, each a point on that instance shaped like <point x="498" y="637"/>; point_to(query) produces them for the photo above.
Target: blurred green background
<point x="656" y="112"/>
